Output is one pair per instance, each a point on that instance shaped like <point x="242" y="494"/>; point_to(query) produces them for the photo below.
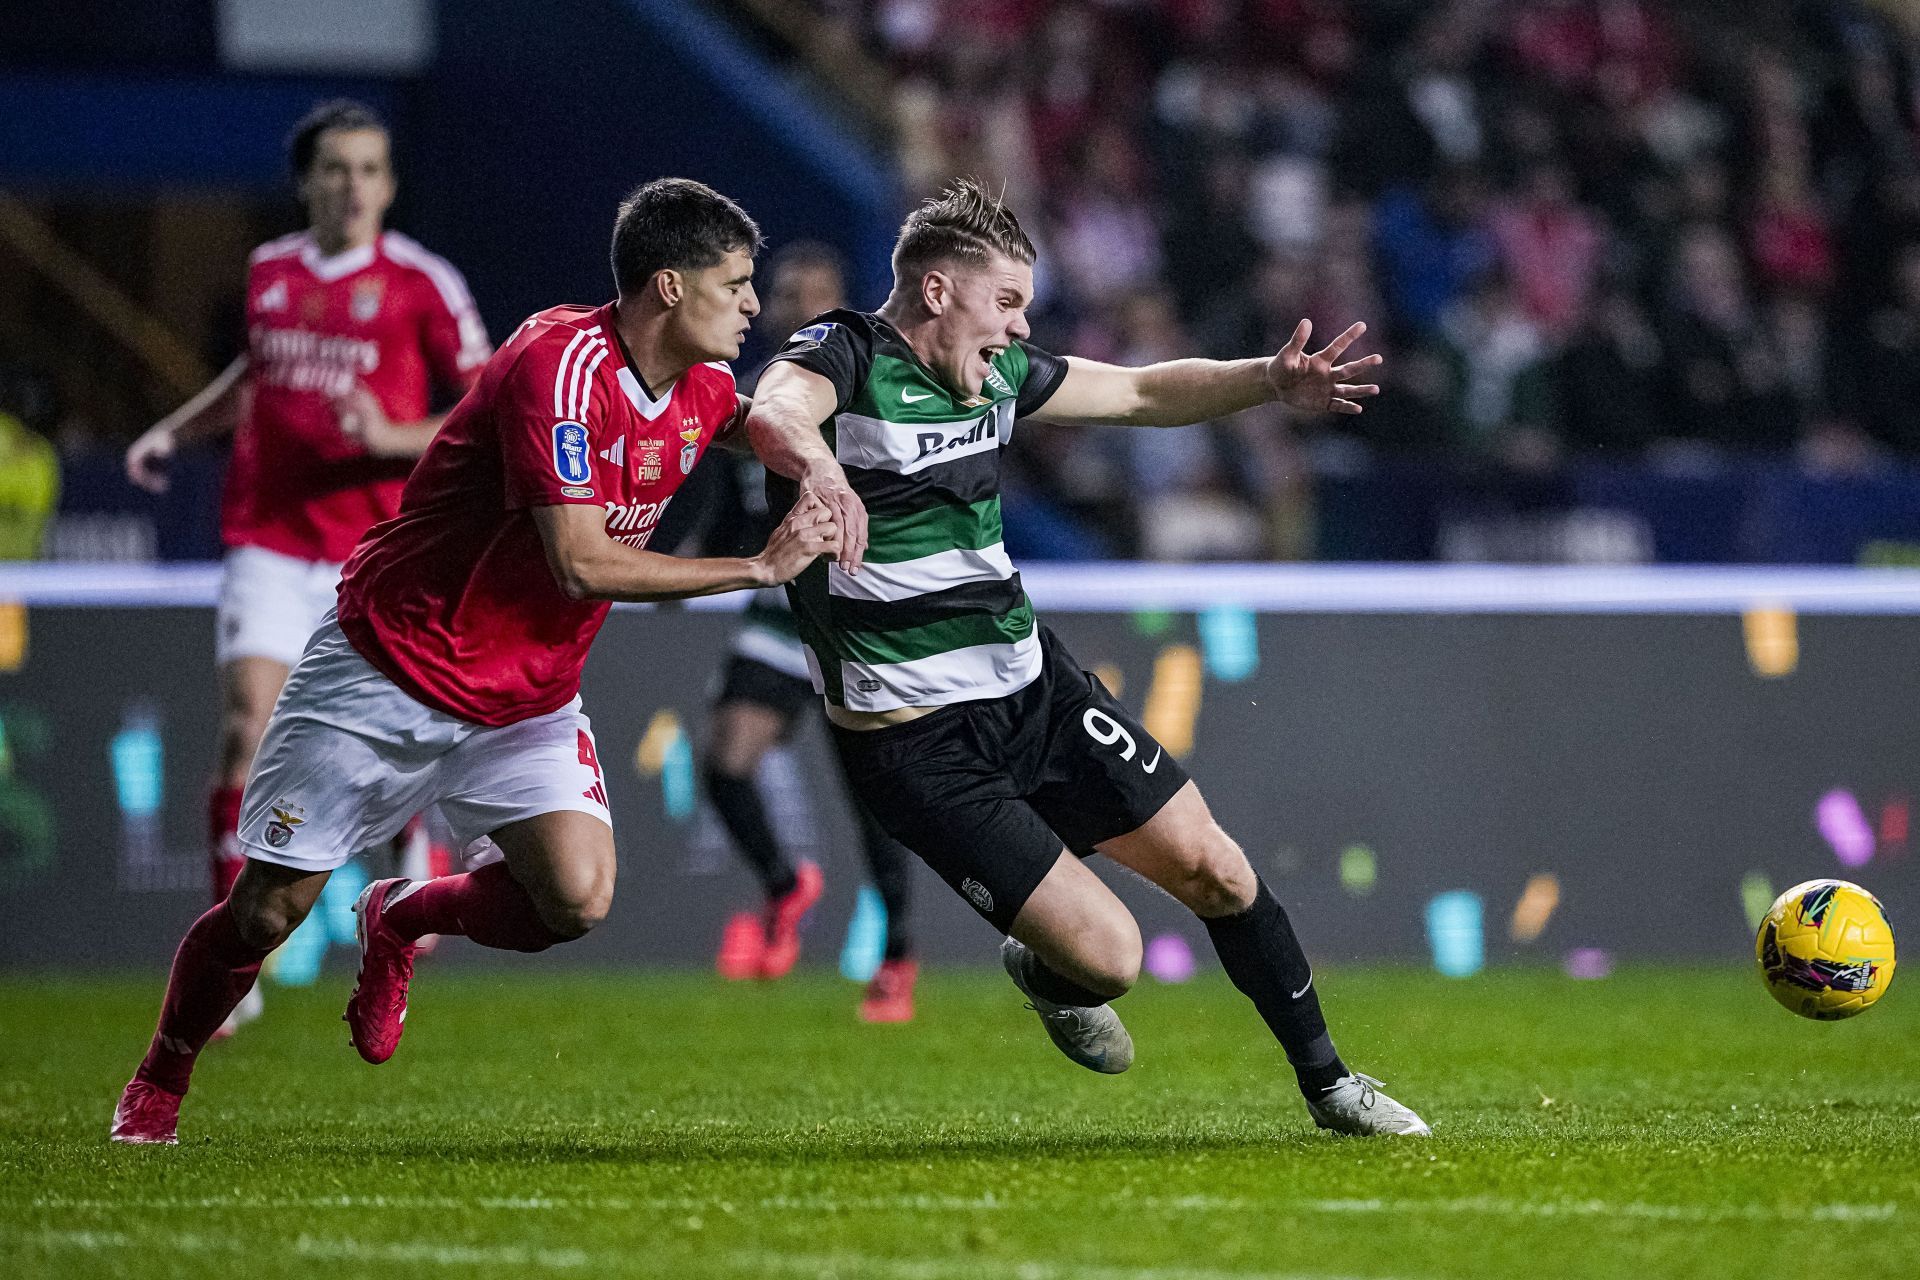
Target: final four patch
<point x="572" y="461"/>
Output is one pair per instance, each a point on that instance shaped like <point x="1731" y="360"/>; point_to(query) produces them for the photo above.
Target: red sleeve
<point x="549" y="413"/>
<point x="451" y="332"/>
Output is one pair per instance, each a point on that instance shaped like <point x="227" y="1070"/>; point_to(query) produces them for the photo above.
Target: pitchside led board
<point x="1465" y="767"/>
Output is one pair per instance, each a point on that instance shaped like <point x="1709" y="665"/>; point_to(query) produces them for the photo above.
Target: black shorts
<point x="750" y="680"/>
<point x="987" y="792"/>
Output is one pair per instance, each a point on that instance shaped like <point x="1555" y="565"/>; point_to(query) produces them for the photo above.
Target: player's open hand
<point x="809" y="531"/>
<point x="1318" y="382"/>
<point x="364" y="421"/>
<point x="827" y="484"/>
<point x="147" y="459"/>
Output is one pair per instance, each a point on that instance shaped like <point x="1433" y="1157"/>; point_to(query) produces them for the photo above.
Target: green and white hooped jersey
<point x="936" y="613"/>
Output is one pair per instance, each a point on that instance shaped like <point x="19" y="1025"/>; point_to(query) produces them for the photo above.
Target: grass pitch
<point x="1665" y="1122"/>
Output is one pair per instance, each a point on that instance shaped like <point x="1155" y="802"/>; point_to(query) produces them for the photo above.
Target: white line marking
<point x="1485" y="1205"/>
<point x="975" y="1268"/>
<point x="327" y="1248"/>
<point x="1614" y="1209"/>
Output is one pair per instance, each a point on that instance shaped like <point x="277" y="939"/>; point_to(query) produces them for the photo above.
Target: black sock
<point x="1265" y="961"/>
<point x="737" y="800"/>
<point x="890" y="867"/>
<point x="1050" y="985"/>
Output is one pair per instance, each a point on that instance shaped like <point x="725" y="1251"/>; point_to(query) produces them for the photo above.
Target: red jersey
<point x="390" y="315"/>
<point x="453" y="599"/>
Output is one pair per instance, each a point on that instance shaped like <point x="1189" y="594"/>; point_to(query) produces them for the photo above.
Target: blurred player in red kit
<point x="450" y="674"/>
<point x="350" y="330"/>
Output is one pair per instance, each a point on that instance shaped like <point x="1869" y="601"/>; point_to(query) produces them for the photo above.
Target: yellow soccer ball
<point x="1825" y="949"/>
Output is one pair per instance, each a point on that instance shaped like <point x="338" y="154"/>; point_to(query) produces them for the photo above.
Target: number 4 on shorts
<point x="598" y="791"/>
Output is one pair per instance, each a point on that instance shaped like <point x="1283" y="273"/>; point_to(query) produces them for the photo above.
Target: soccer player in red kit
<point x="349" y="329"/>
<point x="451" y="674"/>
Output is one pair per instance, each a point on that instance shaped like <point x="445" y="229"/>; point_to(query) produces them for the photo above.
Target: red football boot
<point x="147" y="1115"/>
<point x="742" y="944"/>
<point x="377" y="1011"/>
<point x="784" y="915"/>
<point x="890" y="994"/>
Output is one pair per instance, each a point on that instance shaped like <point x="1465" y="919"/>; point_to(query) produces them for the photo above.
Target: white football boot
<point x="1091" y="1036"/>
<point x="1354" y="1105"/>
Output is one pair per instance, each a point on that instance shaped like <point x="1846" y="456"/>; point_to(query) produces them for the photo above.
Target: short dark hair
<point x="340" y="113"/>
<point x="964" y="224"/>
<point x="676" y="224"/>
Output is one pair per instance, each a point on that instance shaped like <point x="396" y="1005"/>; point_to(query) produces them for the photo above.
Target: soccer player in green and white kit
<point x="966" y="727"/>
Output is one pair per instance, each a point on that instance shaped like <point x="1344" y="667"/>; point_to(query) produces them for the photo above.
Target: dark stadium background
<point x="1689" y="232"/>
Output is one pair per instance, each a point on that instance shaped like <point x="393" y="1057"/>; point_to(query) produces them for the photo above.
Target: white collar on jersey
<point x="649" y="407"/>
<point x="340" y="265"/>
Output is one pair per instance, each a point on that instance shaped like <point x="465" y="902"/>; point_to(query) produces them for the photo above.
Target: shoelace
<point x="1367" y="1084"/>
<point x="1066" y="1015"/>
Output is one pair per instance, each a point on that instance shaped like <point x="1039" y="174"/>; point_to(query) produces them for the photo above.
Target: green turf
<point x="1660" y="1123"/>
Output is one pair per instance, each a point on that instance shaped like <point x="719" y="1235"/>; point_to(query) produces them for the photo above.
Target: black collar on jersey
<point x="632" y="367"/>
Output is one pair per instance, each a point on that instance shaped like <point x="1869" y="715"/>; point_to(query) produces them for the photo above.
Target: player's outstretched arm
<point x="363" y="418"/>
<point x="214" y="412"/>
<point x="783" y="425"/>
<point x="589" y="565"/>
<point x="1178" y="392"/>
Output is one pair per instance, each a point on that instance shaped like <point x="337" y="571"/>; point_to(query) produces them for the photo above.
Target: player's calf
<point x="555" y="885"/>
<point x="1080" y="931"/>
<point x="215" y="966"/>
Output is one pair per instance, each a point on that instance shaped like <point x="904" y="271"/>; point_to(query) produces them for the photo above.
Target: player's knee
<point x="577" y="909"/>
<point x="1217" y="880"/>
<point x="264" y="921"/>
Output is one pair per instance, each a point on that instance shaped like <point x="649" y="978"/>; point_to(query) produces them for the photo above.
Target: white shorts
<point x="270" y="604"/>
<point x="348" y="758"/>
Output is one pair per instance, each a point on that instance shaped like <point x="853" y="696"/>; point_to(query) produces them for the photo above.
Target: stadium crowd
<point x="1673" y="232"/>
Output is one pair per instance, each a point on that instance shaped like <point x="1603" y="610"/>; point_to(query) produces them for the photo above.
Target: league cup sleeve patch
<point x="813" y="333"/>
<point x="571" y="461"/>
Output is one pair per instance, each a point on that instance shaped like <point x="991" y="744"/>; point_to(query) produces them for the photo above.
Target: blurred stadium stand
<point x="1647" y="275"/>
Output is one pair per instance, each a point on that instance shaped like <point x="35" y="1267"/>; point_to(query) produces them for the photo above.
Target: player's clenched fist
<point x="147" y="459"/>
<point x="809" y="531"/>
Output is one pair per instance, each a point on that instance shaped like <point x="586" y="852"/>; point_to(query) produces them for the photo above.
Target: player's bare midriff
<point x="864" y="720"/>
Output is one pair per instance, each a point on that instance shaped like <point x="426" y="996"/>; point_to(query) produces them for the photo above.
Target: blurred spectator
<point x="1430" y="244"/>
<point x="1608" y="378"/>
<point x="1725" y="382"/>
<point x="1705" y="241"/>
<point x="1883" y="385"/>
<point x="1104" y="239"/>
<point x="29" y="471"/>
<point x="1550" y="247"/>
<point x="1498" y="355"/>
